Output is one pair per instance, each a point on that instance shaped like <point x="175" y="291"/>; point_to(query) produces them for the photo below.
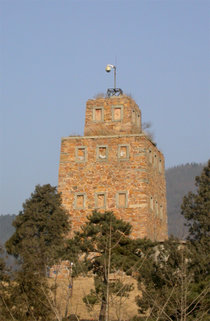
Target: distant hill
<point x="6" y="228"/>
<point x="179" y="181"/>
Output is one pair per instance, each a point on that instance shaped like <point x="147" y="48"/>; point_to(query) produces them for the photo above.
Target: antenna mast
<point x="113" y="91"/>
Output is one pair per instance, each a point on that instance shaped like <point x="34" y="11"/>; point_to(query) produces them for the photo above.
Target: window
<point x="123" y="152"/>
<point x="80" y="153"/>
<point x="100" y="200"/>
<point x="102" y="153"/>
<point x="80" y="199"/>
<point x="122" y="199"/>
<point x="138" y="120"/>
<point x="160" y="166"/>
<point x="117" y="113"/>
<point x="150" y="156"/>
<point x="155" y="160"/>
<point x="156" y="208"/>
<point x="151" y="203"/>
<point x="98" y="114"/>
<point x="133" y="116"/>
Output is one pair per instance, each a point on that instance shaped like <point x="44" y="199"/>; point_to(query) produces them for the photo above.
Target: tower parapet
<point x="112" y="116"/>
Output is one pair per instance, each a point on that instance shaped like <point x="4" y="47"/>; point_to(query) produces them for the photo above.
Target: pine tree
<point x="40" y="229"/>
<point x="38" y="242"/>
<point x="105" y="247"/>
<point x="196" y="209"/>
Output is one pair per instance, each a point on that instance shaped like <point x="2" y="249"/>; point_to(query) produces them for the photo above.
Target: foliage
<point x="38" y="241"/>
<point x="99" y="95"/>
<point x="40" y="228"/>
<point x="3" y="270"/>
<point x="104" y="248"/>
<point x="175" y="283"/>
<point x="26" y="298"/>
<point x="196" y="208"/>
<point x="167" y="284"/>
<point x="180" y="180"/>
<point x="146" y="128"/>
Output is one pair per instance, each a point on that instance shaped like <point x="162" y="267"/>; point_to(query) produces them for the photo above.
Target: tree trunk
<point x="102" y="315"/>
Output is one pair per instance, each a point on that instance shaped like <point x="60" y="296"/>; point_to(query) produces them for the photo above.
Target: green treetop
<point x="196" y="208"/>
<point x="40" y="228"/>
<point x="38" y="242"/>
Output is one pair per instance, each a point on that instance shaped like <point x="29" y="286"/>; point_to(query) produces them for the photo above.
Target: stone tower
<point x="114" y="167"/>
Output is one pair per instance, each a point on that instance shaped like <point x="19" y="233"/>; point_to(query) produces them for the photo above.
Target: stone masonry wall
<point x="114" y="167"/>
<point x="125" y="185"/>
<point x="115" y="115"/>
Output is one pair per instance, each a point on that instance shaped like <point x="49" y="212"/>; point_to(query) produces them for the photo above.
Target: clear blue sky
<point x="52" y="59"/>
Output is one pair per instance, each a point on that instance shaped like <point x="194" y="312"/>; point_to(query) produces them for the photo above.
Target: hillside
<point x="180" y="180"/>
<point x="6" y="228"/>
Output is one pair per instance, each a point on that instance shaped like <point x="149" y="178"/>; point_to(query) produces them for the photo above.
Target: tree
<point x="196" y="210"/>
<point x="167" y="284"/>
<point x="175" y="283"/>
<point x="37" y="243"/>
<point x="25" y="298"/>
<point x="4" y="286"/>
<point x="40" y="228"/>
<point x="104" y="247"/>
<point x="2" y="266"/>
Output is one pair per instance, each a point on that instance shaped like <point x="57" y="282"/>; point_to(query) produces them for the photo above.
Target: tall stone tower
<point x="114" y="167"/>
